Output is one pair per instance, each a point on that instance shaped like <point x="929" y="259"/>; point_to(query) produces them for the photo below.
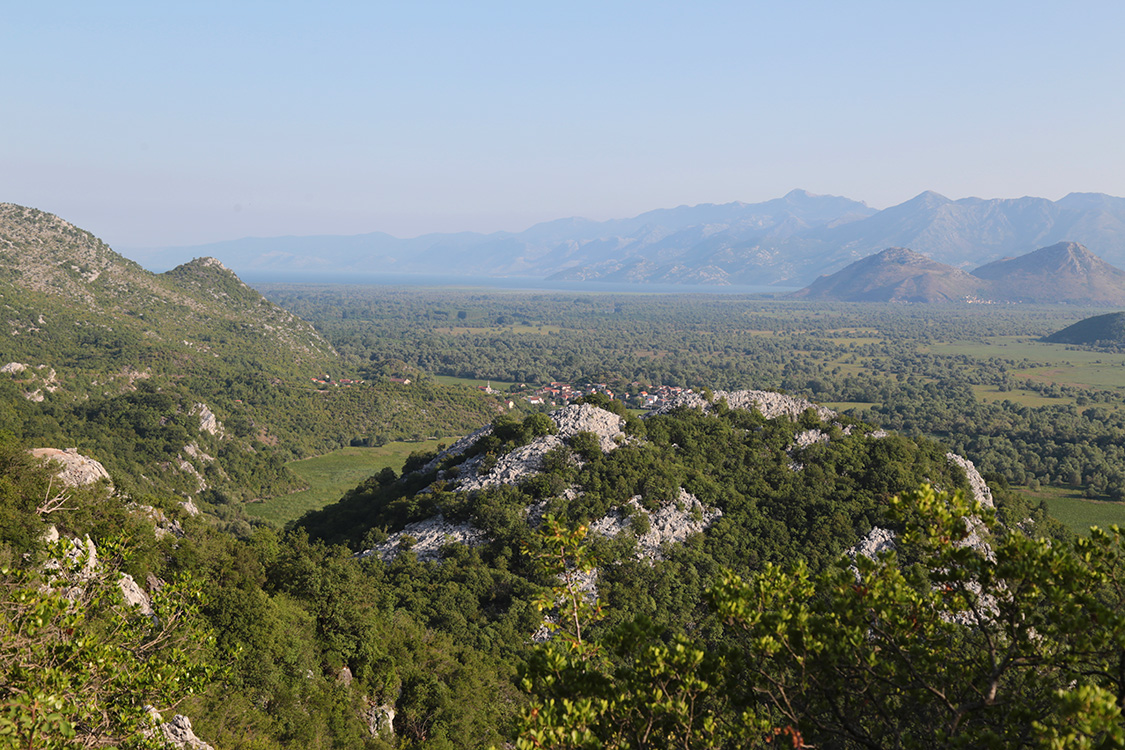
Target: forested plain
<point x="753" y="634"/>
<point x="972" y="376"/>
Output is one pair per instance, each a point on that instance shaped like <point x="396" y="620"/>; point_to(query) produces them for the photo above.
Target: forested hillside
<point x="301" y="644"/>
<point x="188" y="381"/>
<point x="754" y="529"/>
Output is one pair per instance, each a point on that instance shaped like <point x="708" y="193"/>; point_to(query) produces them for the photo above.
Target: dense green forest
<point x="295" y="643"/>
<point x="973" y="376"/>
<point x="740" y="636"/>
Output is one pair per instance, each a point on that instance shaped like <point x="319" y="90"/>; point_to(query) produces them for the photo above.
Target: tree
<point x="967" y="635"/>
<point x="80" y="667"/>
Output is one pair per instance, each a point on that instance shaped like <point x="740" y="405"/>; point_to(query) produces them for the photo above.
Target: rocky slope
<point x="671" y="522"/>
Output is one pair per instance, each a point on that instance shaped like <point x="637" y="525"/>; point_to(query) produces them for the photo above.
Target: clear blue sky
<point x="154" y="123"/>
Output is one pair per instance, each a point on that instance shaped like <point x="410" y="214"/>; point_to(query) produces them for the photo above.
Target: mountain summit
<point x="786" y="241"/>
<point x="896" y="274"/>
<point x="1064" y="272"/>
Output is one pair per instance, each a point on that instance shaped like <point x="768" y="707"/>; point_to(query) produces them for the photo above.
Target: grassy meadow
<point x="331" y="475"/>
<point x="1076" y="510"/>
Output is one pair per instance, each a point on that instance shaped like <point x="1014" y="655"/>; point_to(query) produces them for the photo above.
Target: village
<point x="555" y="393"/>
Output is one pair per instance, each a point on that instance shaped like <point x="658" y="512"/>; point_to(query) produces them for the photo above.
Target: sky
<point x="161" y="124"/>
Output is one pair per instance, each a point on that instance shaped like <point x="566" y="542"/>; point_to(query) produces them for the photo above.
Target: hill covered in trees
<point x="299" y="642"/>
<point x="187" y="381"/>
<point x="1100" y="331"/>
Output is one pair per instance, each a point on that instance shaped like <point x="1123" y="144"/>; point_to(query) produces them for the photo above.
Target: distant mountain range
<point x="787" y="241"/>
<point x="1064" y="273"/>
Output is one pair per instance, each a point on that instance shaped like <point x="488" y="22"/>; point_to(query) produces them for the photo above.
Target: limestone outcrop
<point x="76" y="470"/>
<point x="770" y="404"/>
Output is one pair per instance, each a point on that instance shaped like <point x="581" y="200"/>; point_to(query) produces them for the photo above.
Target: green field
<point x="1077" y="511"/>
<point x="990" y="393"/>
<point x="331" y="475"/>
<point x="1058" y="363"/>
<point x="498" y="385"/>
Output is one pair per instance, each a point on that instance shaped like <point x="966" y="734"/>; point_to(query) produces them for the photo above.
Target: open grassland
<point x="497" y="385"/>
<point x="990" y="394"/>
<point x="1077" y="511"/>
<point x="331" y="475"/>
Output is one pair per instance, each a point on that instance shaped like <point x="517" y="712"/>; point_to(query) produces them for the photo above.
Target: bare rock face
<point x="770" y="404"/>
<point x="877" y="540"/>
<point x="587" y="418"/>
<point x="177" y="731"/>
<point x="672" y="523"/>
<point x="77" y="470"/>
<point x="981" y="493"/>
<point x="380" y="719"/>
<point x="134" y="595"/>
<point x="514" y="467"/>
<point x="207" y="421"/>
<point x="429" y="537"/>
<point x="510" y="468"/>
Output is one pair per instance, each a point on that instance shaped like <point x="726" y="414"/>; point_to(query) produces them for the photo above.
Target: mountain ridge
<point x="1063" y="273"/>
<point x="786" y="241"/>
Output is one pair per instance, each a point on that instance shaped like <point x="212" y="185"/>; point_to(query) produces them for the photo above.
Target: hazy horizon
<point x="157" y="126"/>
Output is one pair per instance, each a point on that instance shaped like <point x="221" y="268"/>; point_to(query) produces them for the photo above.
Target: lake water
<point x="524" y="283"/>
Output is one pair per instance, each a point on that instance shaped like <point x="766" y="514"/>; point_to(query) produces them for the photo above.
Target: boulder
<point x="75" y="469"/>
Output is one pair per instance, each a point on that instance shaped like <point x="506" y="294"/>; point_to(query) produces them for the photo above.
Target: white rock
<point x="981" y="493"/>
<point x="207" y="421"/>
<point x="76" y="470"/>
<point x="770" y="404"/>
<point x="177" y="731"/>
<point x="430" y="536"/>
<point x="877" y="540"/>
<point x="134" y="595"/>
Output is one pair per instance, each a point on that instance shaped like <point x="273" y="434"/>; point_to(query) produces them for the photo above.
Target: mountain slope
<point x="1103" y="331"/>
<point x="1064" y="272"/>
<point x="785" y="241"/>
<point x="187" y="381"/>
<point x="67" y="291"/>
<point x="894" y="275"/>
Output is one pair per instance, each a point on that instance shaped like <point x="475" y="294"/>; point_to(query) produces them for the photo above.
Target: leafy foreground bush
<point x="943" y="643"/>
<point x="79" y="667"/>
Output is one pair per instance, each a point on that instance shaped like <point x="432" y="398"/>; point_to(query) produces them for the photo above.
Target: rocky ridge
<point x="672" y="522"/>
<point x="771" y="405"/>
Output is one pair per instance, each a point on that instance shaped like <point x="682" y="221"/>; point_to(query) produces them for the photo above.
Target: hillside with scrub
<point x="702" y="522"/>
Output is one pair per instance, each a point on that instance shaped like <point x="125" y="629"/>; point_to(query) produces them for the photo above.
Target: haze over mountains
<point x="1064" y="273"/>
<point x="787" y="241"/>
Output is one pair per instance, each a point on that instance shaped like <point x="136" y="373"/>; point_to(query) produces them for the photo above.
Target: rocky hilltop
<point x="1063" y="273"/>
<point x="649" y="522"/>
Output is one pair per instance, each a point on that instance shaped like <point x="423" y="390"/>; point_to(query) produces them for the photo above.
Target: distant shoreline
<point x="514" y="283"/>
